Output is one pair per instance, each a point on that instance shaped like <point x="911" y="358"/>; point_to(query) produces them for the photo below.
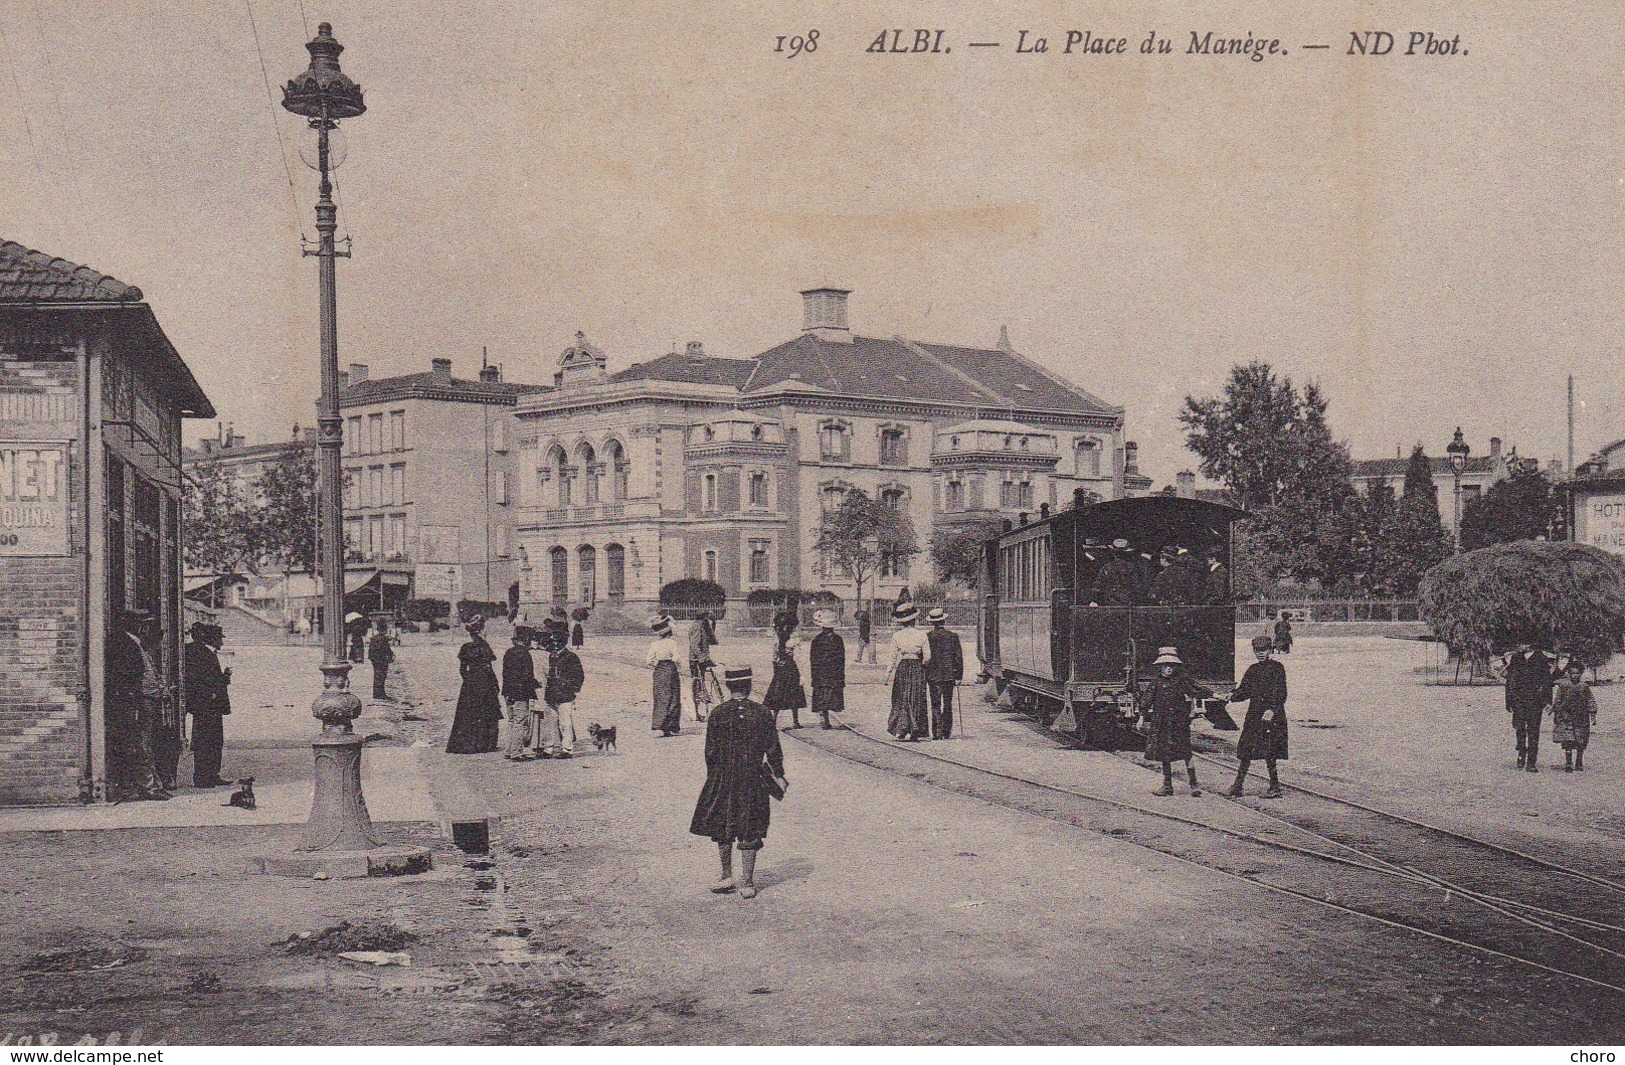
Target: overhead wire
<point x="304" y="18"/>
<point x="62" y="122"/>
<point x="22" y="109"/>
<point x="270" y="100"/>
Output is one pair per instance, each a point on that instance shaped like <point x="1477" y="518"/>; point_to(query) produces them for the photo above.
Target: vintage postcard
<point x="976" y="524"/>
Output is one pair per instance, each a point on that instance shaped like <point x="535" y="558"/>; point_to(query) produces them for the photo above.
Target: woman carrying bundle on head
<point x="663" y="655"/>
<point x="910" y="652"/>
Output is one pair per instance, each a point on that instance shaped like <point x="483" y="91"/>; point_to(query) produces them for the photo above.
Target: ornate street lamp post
<point x="1458" y="450"/>
<point x="338" y="815"/>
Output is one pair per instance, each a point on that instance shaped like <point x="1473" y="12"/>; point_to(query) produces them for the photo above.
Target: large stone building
<point x="1477" y="475"/>
<point x="92" y="395"/>
<point x="695" y="465"/>
<point x="427" y="474"/>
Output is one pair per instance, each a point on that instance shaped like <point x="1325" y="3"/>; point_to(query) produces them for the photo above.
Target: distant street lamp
<point x="1458" y="450"/>
<point x="338" y="814"/>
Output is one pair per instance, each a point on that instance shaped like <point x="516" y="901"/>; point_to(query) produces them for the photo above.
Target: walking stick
<point x="959" y="712"/>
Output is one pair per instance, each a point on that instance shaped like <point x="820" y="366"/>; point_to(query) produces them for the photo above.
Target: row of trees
<point x="267" y="526"/>
<point x="1268" y="442"/>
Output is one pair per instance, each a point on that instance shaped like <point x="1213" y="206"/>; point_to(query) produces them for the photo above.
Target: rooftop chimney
<point x="490" y="374"/>
<point x="442" y="369"/>
<point x="358" y="372"/>
<point x="695" y="350"/>
<point x="1131" y="458"/>
<point x="1495" y="447"/>
<point x="1185" y="484"/>
<point x="823" y="314"/>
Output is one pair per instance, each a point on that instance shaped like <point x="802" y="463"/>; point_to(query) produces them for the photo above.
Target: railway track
<point x="1468" y="893"/>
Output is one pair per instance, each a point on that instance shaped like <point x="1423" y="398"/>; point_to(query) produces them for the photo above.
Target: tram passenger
<point x="1182" y="582"/>
<point x="1263" y="732"/>
<point x="1170" y="703"/>
<point x="1121" y="581"/>
<point x="1218" y="579"/>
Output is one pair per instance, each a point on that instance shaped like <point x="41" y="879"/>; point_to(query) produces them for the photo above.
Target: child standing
<point x="1574" y="709"/>
<point x="1263" y="733"/>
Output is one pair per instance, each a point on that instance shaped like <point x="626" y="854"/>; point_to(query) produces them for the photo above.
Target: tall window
<point x="1024" y="495"/>
<point x="352" y="534"/>
<point x="375" y="487"/>
<point x="1088" y="459"/>
<point x="558" y="560"/>
<point x="615" y="571"/>
<point x="1008" y="495"/>
<point x="835" y="441"/>
<point x="893" y="498"/>
<point x="893" y="447"/>
<point x="375" y="433"/>
<point x="397" y="534"/>
<point x="758" y="489"/>
<point x="893" y="566"/>
<point x="956" y="495"/>
<point x="708" y="496"/>
<point x="709" y="565"/>
<point x="561" y="470"/>
<point x="588" y="559"/>
<point x="587" y="459"/>
<point x="352" y="435"/>
<point x="375" y="536"/>
<point x="619" y="469"/>
<point x="758" y="562"/>
<point x="833" y="496"/>
<point x="352" y="488"/>
<point x="397" y="430"/>
<point x="397" y="484"/>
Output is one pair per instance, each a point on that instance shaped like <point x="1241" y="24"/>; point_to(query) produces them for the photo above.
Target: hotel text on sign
<point x="33" y="499"/>
<point x="1600" y="522"/>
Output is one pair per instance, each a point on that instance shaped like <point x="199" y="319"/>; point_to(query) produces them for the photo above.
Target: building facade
<point x="427" y="470"/>
<point x="92" y="395"/>
<point x="1597" y="500"/>
<point x="691" y="465"/>
<point x="1479" y="473"/>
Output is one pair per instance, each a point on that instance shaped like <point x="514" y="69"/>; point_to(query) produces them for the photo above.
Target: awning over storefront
<point x="356" y="579"/>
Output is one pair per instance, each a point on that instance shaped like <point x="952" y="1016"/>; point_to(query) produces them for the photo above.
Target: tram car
<point x="1077" y="603"/>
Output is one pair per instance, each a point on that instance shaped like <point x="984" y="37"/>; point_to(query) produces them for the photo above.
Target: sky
<point x="1435" y="240"/>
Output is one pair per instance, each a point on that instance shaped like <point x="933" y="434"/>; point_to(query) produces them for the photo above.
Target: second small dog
<point x="243" y="796"/>
<point x="602" y="738"/>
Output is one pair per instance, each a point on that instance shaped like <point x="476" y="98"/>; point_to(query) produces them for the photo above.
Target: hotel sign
<point x="1599" y="520"/>
<point x="34" y="499"/>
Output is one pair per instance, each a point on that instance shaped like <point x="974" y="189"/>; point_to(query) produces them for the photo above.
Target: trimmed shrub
<point x="1570" y="597"/>
<point x="684" y="599"/>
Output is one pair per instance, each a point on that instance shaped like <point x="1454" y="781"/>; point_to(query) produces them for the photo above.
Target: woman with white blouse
<point x="663" y="657"/>
<point x="910" y="650"/>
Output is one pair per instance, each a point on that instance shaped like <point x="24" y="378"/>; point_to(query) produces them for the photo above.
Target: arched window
<point x="588" y="567"/>
<point x="587" y="463"/>
<point x="619" y="470"/>
<point x="559" y="567"/>
<point x="615" y="571"/>
<point x="559" y="463"/>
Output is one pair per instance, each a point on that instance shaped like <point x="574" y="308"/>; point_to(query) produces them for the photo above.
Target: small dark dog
<point x="243" y="796"/>
<point x="602" y="738"/>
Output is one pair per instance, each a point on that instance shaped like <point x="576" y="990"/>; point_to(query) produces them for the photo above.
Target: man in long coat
<point x="1530" y="674"/>
<point x="943" y="672"/>
<point x="134" y="709"/>
<point x="744" y="766"/>
<point x="208" y="700"/>
<point x="380" y="654"/>
<point x="826" y="662"/>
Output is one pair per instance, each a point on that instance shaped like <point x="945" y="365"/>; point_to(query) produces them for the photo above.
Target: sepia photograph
<point x="1012" y="524"/>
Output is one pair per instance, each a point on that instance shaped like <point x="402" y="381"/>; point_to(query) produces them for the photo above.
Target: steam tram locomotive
<point x="1077" y="603"/>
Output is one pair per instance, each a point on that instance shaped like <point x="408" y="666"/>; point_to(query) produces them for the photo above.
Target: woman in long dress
<point x="785" y="691"/>
<point x="910" y="650"/>
<point x="662" y="657"/>
<point x="479" y="709"/>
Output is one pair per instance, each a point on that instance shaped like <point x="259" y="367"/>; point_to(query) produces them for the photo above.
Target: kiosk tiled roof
<point x="28" y="276"/>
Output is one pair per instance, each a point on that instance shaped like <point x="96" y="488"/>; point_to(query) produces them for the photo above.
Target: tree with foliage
<point x="956" y="549"/>
<point x="218" y="521"/>
<point x="861" y="534"/>
<point x="1409" y="538"/>
<point x="286" y="517"/>
<point x="1269" y="444"/>
<point x="1522" y="506"/>
<point x="1570" y="597"/>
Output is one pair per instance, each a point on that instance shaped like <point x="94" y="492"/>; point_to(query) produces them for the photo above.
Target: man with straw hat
<point x="744" y="767"/>
<point x="943" y="672"/>
<point x="826" y="662"/>
<point x="1170" y="707"/>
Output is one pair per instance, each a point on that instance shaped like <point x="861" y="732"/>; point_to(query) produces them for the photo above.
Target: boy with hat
<point x="565" y="679"/>
<point x="1169" y="702"/>
<point x="744" y="766"/>
<point x="1263" y="733"/>
<point x="943" y="671"/>
<point x="826" y="661"/>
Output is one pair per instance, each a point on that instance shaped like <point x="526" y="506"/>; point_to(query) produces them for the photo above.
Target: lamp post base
<point x="338" y="814"/>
